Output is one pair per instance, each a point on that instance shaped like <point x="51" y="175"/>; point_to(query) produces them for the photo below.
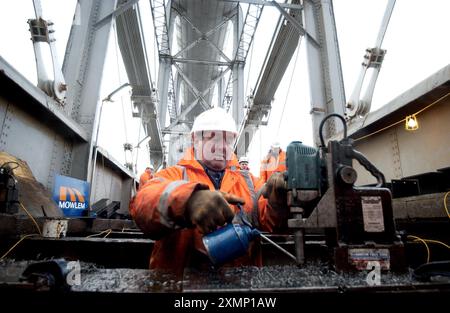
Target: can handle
<point x="243" y="217"/>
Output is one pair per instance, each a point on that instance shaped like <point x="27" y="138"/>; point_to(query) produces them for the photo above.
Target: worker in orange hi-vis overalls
<point x="275" y="161"/>
<point x="184" y="202"/>
<point x="243" y="163"/>
<point x="146" y="176"/>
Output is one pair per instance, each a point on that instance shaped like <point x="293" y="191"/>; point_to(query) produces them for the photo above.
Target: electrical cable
<point x="138" y="140"/>
<point x="380" y="130"/>
<point x="31" y="217"/>
<point x="430" y="105"/>
<point x="289" y="88"/>
<point x="403" y="120"/>
<point x="107" y="234"/>
<point x="322" y="142"/>
<point x="445" y="203"/>
<point x="15" y="245"/>
<point x="20" y="203"/>
<point x="438" y="242"/>
<point x="124" y="122"/>
<point x="11" y="162"/>
<point x="425" y="243"/>
<point x="120" y="82"/>
<point x="108" y="231"/>
<point x="117" y="52"/>
<point x="249" y="66"/>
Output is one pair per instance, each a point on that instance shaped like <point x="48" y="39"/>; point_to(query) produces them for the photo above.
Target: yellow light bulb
<point x="411" y="123"/>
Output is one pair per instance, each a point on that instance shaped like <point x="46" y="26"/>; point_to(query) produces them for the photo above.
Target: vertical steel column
<point x="243" y="33"/>
<point x="83" y="66"/>
<point x="324" y="65"/>
<point x="238" y="69"/>
<point x="221" y="90"/>
<point x="177" y="90"/>
<point x="238" y="92"/>
<point x="163" y="21"/>
<point x="165" y="65"/>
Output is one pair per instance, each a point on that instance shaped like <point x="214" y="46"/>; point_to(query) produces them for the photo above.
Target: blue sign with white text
<point x="71" y="195"/>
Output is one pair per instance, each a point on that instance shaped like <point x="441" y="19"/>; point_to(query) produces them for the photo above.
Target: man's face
<point x="275" y="150"/>
<point x="214" y="148"/>
<point x="244" y="166"/>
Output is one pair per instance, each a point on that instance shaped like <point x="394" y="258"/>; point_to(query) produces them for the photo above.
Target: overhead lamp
<point x="411" y="123"/>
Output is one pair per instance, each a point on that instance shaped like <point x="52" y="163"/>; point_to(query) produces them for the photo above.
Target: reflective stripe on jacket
<point x="271" y="164"/>
<point x="159" y="210"/>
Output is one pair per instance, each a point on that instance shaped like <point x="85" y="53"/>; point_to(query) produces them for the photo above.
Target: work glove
<point x="209" y="209"/>
<point x="275" y="190"/>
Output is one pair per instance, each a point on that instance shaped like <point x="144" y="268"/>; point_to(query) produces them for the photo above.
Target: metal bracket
<point x="41" y="33"/>
<point x="373" y="58"/>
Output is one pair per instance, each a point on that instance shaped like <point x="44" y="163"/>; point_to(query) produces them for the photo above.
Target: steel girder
<point x="200" y="63"/>
<point x="284" y="42"/>
<point x="245" y="32"/>
<point x="163" y="22"/>
<point x="83" y="69"/>
<point x="134" y="54"/>
<point x="324" y="66"/>
<point x="326" y="83"/>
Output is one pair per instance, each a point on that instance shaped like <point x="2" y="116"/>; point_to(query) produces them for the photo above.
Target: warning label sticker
<point x="372" y="214"/>
<point x="361" y="257"/>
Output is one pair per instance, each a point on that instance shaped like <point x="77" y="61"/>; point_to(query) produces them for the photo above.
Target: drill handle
<point x="381" y="181"/>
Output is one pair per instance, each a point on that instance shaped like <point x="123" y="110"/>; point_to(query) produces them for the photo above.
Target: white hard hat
<point x="151" y="167"/>
<point x="214" y="119"/>
<point x="243" y="159"/>
<point x="275" y="145"/>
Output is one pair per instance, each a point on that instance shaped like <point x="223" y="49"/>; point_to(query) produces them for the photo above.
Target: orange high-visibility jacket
<point x="271" y="164"/>
<point x="159" y="210"/>
<point x="145" y="177"/>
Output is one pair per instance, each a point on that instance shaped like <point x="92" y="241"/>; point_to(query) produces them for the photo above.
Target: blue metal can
<point x="229" y="242"/>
